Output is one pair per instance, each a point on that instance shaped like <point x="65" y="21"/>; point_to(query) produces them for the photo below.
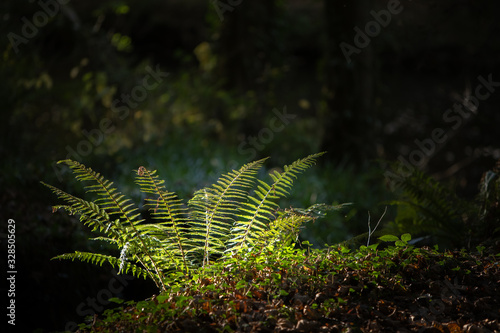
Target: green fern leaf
<point x="100" y="259"/>
<point x="257" y="213"/>
<point x="169" y="210"/>
<point x="426" y="206"/>
<point x="90" y="213"/>
<point x="109" y="199"/>
<point x="116" y="205"/>
<point x="214" y="209"/>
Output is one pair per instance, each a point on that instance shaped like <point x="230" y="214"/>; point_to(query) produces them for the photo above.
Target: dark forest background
<point x="195" y="88"/>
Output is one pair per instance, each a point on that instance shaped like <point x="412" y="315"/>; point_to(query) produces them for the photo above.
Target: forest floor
<point x="395" y="289"/>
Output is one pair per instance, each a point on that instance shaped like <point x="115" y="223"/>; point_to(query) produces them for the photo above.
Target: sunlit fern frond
<point x="99" y="259"/>
<point x="214" y="209"/>
<point x="169" y="214"/>
<point x="285" y="229"/>
<point x="120" y="213"/>
<point x="108" y="240"/>
<point x="257" y="213"/>
<point x="91" y="214"/>
<point x="110" y="200"/>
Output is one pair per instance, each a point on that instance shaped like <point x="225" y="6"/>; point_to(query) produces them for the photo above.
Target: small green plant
<point x="220" y="220"/>
<point x="399" y="242"/>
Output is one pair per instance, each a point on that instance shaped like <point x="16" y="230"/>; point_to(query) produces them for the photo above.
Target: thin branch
<point x="370" y="232"/>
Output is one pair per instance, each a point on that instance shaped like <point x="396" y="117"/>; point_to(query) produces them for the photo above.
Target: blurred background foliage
<point x="234" y="73"/>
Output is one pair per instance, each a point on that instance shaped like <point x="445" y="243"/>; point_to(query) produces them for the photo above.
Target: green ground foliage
<point x="329" y="290"/>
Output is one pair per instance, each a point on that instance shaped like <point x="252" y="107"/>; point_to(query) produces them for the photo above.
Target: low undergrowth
<point x="300" y="289"/>
<point x="231" y="260"/>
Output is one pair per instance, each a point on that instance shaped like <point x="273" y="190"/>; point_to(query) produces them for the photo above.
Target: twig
<point x="370" y="232"/>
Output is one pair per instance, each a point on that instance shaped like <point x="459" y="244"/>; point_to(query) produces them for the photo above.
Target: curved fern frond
<point x="91" y="214"/>
<point x="170" y="211"/>
<point x="99" y="259"/>
<point x="214" y="209"/>
<point x="106" y="240"/>
<point x="115" y="204"/>
<point x="257" y="213"/>
<point x="286" y="227"/>
<point x="110" y="200"/>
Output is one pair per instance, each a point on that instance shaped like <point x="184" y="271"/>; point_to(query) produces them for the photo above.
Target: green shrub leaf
<point x="389" y="238"/>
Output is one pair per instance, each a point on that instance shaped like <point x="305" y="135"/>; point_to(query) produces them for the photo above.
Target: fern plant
<point x="427" y="207"/>
<point x="238" y="212"/>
